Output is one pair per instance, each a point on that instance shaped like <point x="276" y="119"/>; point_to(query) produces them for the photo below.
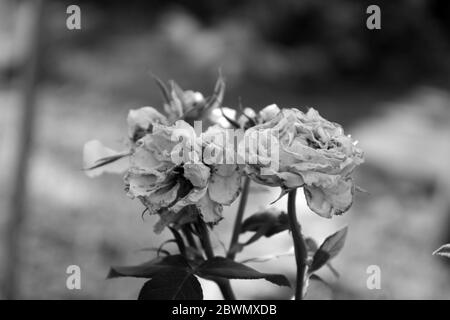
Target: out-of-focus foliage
<point x="318" y="41"/>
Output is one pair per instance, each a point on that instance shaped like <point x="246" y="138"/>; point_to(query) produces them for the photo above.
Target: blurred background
<point x="59" y="88"/>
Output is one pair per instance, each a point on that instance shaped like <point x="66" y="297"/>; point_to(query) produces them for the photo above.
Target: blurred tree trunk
<point x="30" y="14"/>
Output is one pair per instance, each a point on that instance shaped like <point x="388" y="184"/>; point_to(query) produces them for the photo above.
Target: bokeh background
<point x="388" y="87"/>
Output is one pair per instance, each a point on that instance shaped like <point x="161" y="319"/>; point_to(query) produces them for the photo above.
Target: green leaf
<point x="443" y="251"/>
<point x="329" y="249"/>
<point x="269" y="221"/>
<point x="172" y="278"/>
<point x="263" y="224"/>
<point x="172" y="285"/>
<point x="229" y="269"/>
<point x="151" y="268"/>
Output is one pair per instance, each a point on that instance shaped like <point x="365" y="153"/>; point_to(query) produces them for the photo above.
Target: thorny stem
<point x="301" y="252"/>
<point x="238" y="222"/>
<point x="224" y="285"/>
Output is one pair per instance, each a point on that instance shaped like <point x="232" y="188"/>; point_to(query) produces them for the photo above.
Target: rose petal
<point x="163" y="197"/>
<point x="254" y="172"/>
<point x="197" y="173"/>
<point x="142" y="119"/>
<point x="210" y="211"/>
<point x="291" y="180"/>
<point x="225" y="170"/>
<point x="193" y="197"/>
<point x="319" y="179"/>
<point x="224" y="189"/>
<point x="143" y="157"/>
<point x="269" y="112"/>
<point x="140" y="184"/>
<point x="143" y="182"/>
<point x="173" y="143"/>
<point x="327" y="202"/>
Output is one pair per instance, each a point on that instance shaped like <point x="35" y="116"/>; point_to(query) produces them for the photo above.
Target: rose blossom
<point x="313" y="153"/>
<point x="167" y="182"/>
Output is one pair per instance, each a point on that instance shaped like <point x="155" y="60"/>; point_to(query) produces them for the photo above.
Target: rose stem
<point x="179" y="241"/>
<point x="190" y="239"/>
<point x="224" y="285"/>
<point x="238" y="222"/>
<point x="300" y="249"/>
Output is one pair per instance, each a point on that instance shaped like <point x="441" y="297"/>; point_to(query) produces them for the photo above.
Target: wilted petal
<point x="320" y="179"/>
<point x="224" y="189"/>
<point x="254" y="172"/>
<point x="197" y="173"/>
<point x="327" y="202"/>
<point x="297" y="153"/>
<point x="141" y="182"/>
<point x="313" y="114"/>
<point x="193" y="197"/>
<point x="140" y="121"/>
<point x="306" y="166"/>
<point x="291" y="180"/>
<point x="94" y="151"/>
<point x="163" y="197"/>
<point x="219" y="145"/>
<point x="172" y="143"/>
<point x="269" y="112"/>
<point x="143" y="157"/>
<point x="210" y="211"/>
<point x="225" y="170"/>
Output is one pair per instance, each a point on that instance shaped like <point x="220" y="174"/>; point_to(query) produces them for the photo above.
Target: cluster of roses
<point x="312" y="153"/>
